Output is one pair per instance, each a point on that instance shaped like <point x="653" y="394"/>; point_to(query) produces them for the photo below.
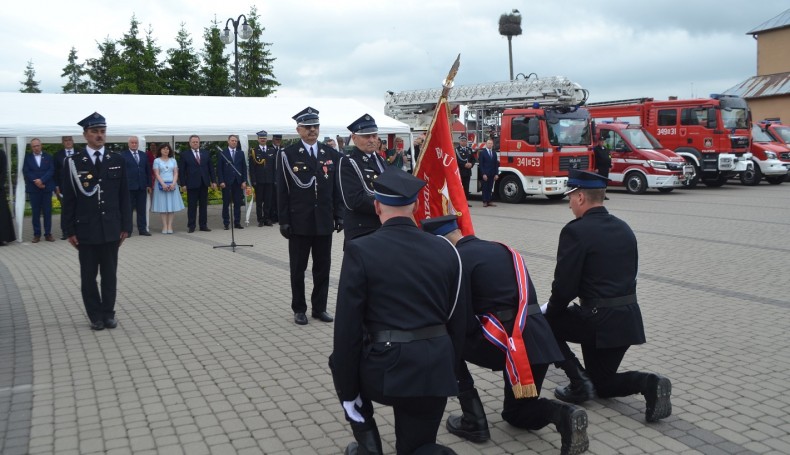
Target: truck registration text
<point x="529" y="162"/>
<point x="667" y="131"/>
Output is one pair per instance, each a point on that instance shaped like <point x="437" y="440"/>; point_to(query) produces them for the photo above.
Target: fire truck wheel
<point x="510" y="190"/>
<point x="752" y="177"/>
<point x="692" y="182"/>
<point x="665" y="190"/>
<point x="635" y="183"/>
<point x="775" y="179"/>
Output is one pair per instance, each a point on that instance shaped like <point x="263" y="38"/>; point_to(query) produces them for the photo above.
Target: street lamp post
<point x="245" y="33"/>
<point x="510" y="26"/>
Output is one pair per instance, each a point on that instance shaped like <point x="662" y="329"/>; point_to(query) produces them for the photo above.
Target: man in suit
<point x="39" y="172"/>
<point x="139" y="177"/>
<point x="98" y="218"/>
<point x="232" y="176"/>
<point x="60" y="158"/>
<point x="466" y="159"/>
<point x="489" y="171"/>
<point x="499" y="291"/>
<point x="196" y="174"/>
<point x="597" y="261"/>
<point x="310" y="208"/>
<point x="262" y="159"/>
<point x="397" y="346"/>
<point x="356" y="175"/>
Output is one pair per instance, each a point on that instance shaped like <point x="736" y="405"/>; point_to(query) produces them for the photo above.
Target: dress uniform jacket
<point x="59" y="160"/>
<point x="307" y="199"/>
<point x="464" y="155"/>
<point x="99" y="218"/>
<point x="491" y="286"/>
<point x="416" y="288"/>
<point x="597" y="258"/>
<point x="355" y="180"/>
<point x="262" y="165"/>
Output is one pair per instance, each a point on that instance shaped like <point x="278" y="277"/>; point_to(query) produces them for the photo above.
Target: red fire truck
<point x="712" y="134"/>
<point x="538" y="125"/>
<point x="639" y="161"/>
<point x="766" y="152"/>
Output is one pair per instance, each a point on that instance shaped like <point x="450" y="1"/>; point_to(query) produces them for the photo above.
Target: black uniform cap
<point x="397" y="188"/>
<point x="585" y="180"/>
<point x="262" y="133"/>
<point x="364" y="125"/>
<point x="440" y="225"/>
<point x="94" y="120"/>
<point x="308" y="116"/>
<point x="277" y="136"/>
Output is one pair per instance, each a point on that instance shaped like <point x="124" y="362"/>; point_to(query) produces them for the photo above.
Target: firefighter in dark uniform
<point x="494" y="296"/>
<point x="466" y="160"/>
<point x="597" y="262"/>
<point x="261" y="165"/>
<point x="356" y="175"/>
<point x="400" y="326"/>
<point x="603" y="161"/>
<point x="98" y="217"/>
<point x="309" y="208"/>
<point x="276" y="147"/>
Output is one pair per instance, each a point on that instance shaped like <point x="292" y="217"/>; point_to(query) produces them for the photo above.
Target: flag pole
<point x="447" y="84"/>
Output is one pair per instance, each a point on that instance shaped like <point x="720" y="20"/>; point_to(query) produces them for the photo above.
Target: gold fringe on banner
<point x="525" y="391"/>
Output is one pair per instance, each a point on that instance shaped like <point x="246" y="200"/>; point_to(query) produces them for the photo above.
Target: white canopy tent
<point x="166" y="118"/>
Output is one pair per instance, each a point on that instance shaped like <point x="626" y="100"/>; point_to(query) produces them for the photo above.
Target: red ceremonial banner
<point x="444" y="193"/>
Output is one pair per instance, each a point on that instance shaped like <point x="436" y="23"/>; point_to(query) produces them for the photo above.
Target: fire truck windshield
<point x="734" y="118"/>
<point x="784" y="133"/>
<point x="638" y="138"/>
<point x="760" y="135"/>
<point x="653" y="141"/>
<point x="567" y="131"/>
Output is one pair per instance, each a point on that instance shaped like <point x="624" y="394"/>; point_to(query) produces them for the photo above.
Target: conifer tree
<point x="30" y="85"/>
<point x="75" y="75"/>
<point x="216" y="75"/>
<point x="256" y="75"/>
<point x="182" y="72"/>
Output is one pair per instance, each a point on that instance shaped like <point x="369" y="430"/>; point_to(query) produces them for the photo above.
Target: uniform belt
<point x="405" y="336"/>
<point x="610" y="302"/>
<point x="509" y="315"/>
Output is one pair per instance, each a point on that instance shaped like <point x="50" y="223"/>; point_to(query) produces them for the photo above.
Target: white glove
<point x="543" y="307"/>
<point x="351" y="409"/>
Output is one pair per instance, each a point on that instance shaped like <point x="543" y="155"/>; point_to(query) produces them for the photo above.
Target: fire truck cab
<point x="639" y="161"/>
<point x="765" y="155"/>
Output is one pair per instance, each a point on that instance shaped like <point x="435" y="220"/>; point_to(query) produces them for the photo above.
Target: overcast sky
<point x="351" y="48"/>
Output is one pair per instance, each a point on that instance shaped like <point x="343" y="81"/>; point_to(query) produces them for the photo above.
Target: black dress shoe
<point x="63" y="237"/>
<point x="97" y="325"/>
<point x="657" y="391"/>
<point x="205" y="229"/>
<point x="145" y="233"/>
<point x="227" y="227"/>
<point x="323" y="316"/>
<point x="191" y="230"/>
<point x="577" y="392"/>
<point x="267" y="222"/>
<point x="238" y="226"/>
<point x="300" y="318"/>
<point x="260" y="223"/>
<point x="111" y="323"/>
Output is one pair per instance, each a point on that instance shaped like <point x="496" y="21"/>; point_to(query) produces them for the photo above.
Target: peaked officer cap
<point x="440" y="225"/>
<point x="364" y="125"/>
<point x="262" y="133"/>
<point x="395" y="187"/>
<point x="585" y="180"/>
<point x="308" y="116"/>
<point x="94" y="120"/>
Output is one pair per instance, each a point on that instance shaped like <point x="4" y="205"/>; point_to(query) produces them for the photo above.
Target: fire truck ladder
<point x="631" y="101"/>
<point x="549" y="91"/>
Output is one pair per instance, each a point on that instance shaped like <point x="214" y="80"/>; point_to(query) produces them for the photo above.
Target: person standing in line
<point x="60" y="158"/>
<point x="500" y="293"/>
<point x="489" y="171"/>
<point x="98" y="218"/>
<point x="167" y="197"/>
<point x="398" y="345"/>
<point x="603" y="160"/>
<point x="197" y="176"/>
<point x="466" y="160"/>
<point x="232" y="176"/>
<point x="6" y="221"/>
<point x="39" y="172"/>
<point x="139" y="182"/>
<point x="310" y="208"/>
<point x="399" y="157"/>
<point x="277" y="140"/>
<point x="261" y="164"/>
<point x="356" y="175"/>
<point x="597" y="261"/>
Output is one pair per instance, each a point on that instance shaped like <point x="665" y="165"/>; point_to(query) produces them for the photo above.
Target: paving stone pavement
<point x="207" y="359"/>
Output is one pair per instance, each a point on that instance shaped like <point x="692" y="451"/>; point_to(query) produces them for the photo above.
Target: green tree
<point x="182" y="70"/>
<point x="216" y="75"/>
<point x="137" y="69"/>
<point x="103" y="71"/>
<point x="30" y="85"/>
<point x="256" y="75"/>
<point x="75" y="75"/>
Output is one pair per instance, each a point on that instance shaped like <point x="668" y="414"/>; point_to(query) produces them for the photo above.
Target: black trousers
<point x="417" y="419"/>
<point x="601" y="363"/>
<point x="526" y="413"/>
<point x="94" y="259"/>
<point x="234" y="191"/>
<point x="465" y="178"/>
<point x="197" y="198"/>
<point x="299" y="250"/>
<point x="138" y="200"/>
<point x="41" y="204"/>
<point x="269" y="202"/>
<point x="264" y="200"/>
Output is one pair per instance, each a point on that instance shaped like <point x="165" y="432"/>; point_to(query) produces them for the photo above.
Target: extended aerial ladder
<point x="415" y="107"/>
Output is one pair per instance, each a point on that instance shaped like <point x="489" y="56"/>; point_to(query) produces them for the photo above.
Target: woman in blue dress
<point x="167" y="197"/>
